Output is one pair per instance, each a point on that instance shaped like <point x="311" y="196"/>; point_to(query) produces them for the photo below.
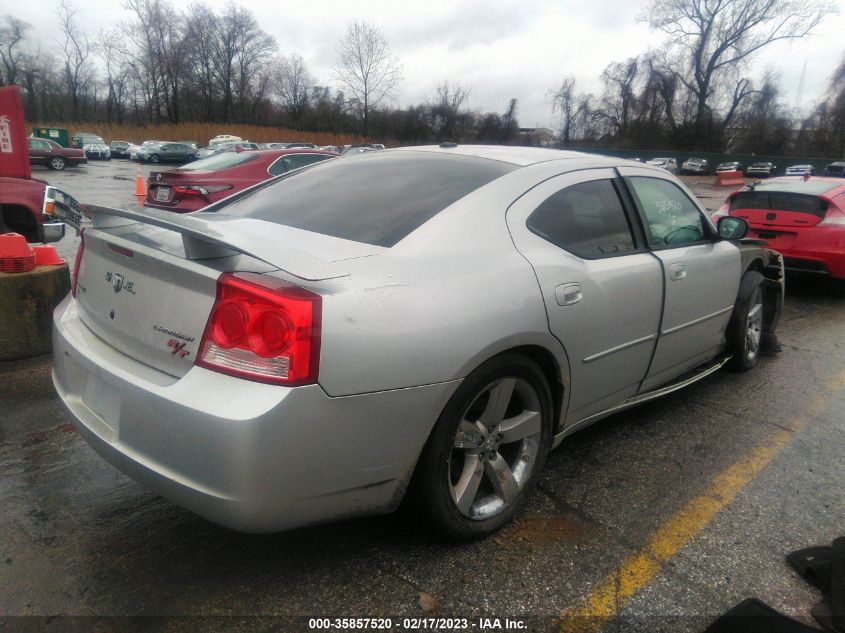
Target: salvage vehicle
<point x="50" y="154"/>
<point x="167" y="153"/>
<point x="97" y="149"/>
<point x="729" y="166"/>
<point x="431" y="320"/>
<point x="835" y="170"/>
<point x="27" y="207"/>
<point x="120" y="149"/>
<point x="760" y="170"/>
<point x="800" y="170"/>
<point x="802" y="218"/>
<point x="698" y="166"/>
<point x="207" y="180"/>
<point x="669" y="164"/>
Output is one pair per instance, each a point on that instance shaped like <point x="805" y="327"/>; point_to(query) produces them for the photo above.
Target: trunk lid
<point x="144" y="300"/>
<point x="147" y="280"/>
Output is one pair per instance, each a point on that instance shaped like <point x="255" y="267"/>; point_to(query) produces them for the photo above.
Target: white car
<point x="97" y="150"/>
<point x="800" y="170"/>
<point x="669" y="164"/>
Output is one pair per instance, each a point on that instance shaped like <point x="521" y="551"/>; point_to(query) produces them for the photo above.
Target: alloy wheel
<point x="754" y="325"/>
<point x="495" y="448"/>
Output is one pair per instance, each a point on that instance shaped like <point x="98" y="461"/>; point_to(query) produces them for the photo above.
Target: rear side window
<point x="220" y="161"/>
<point x="376" y="199"/>
<point x="780" y="201"/>
<point x="586" y="219"/>
<point x="295" y="161"/>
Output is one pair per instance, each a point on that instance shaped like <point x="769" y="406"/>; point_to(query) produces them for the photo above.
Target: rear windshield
<point x="780" y="201"/>
<point x="376" y="198"/>
<point x="220" y="161"/>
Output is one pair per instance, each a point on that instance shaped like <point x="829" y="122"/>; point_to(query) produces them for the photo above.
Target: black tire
<point x="57" y="162"/>
<point x="745" y="328"/>
<point x="154" y="158"/>
<point x="441" y="472"/>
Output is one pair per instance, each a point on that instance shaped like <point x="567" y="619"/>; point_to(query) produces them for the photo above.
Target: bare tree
<point x="447" y="120"/>
<point x="836" y="101"/>
<point x="618" y="101"/>
<point x="711" y="37"/>
<point x="202" y="29"/>
<point x="12" y="33"/>
<point x="564" y="102"/>
<point x="509" y="122"/>
<point x="293" y="86"/>
<point x="74" y="49"/>
<point x="366" y="67"/>
<point x="576" y="111"/>
<point x="242" y="49"/>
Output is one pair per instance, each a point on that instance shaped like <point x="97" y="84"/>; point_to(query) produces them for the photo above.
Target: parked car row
<point x="760" y="169"/>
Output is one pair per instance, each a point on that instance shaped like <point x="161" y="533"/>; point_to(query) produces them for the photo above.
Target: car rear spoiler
<point x="210" y="236"/>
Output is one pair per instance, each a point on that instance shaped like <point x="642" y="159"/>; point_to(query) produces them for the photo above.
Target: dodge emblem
<point x="117" y="282"/>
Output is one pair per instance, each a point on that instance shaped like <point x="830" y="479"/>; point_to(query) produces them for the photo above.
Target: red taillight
<point x="79" y="250"/>
<point x="263" y="329"/>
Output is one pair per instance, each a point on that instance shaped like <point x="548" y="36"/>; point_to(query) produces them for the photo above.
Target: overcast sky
<point x="497" y="48"/>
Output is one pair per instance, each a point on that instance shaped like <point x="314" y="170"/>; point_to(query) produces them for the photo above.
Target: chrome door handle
<point x="567" y="294"/>
<point x="677" y="271"/>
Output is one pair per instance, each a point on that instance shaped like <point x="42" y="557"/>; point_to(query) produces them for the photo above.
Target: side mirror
<point x="731" y="228"/>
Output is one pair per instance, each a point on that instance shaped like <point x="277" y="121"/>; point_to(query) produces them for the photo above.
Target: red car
<point x="43" y="151"/>
<point x="205" y="181"/>
<point x="802" y="217"/>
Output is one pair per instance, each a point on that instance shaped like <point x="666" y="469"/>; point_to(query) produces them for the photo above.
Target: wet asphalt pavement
<point x="83" y="547"/>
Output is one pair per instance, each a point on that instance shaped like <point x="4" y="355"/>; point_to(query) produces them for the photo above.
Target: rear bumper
<point x="816" y="250"/>
<point x="177" y="206"/>
<point x="250" y="456"/>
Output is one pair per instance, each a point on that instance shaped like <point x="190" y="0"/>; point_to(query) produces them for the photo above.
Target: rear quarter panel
<point x="439" y="303"/>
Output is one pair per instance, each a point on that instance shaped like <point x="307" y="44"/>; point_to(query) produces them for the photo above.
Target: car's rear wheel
<point x="745" y="329"/>
<point x="487" y="449"/>
<point x="57" y="163"/>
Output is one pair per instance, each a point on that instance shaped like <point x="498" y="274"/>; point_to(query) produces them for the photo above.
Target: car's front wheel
<point x="487" y="449"/>
<point x="57" y="163"/>
<point x="745" y="329"/>
<point x="154" y="158"/>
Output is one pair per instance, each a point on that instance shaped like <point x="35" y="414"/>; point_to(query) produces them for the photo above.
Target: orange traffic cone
<point x="140" y="185"/>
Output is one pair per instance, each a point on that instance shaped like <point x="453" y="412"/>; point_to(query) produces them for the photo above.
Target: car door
<point x="602" y="288"/>
<point x="700" y="274"/>
<point x="38" y="151"/>
<point x="169" y="152"/>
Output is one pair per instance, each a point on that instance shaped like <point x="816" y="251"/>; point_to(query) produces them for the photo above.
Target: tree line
<point x="160" y="64"/>
<point x="695" y="92"/>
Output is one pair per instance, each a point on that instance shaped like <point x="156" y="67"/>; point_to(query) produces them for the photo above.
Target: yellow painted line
<point x="639" y="569"/>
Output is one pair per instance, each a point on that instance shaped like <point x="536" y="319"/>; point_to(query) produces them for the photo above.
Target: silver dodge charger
<point x="422" y="323"/>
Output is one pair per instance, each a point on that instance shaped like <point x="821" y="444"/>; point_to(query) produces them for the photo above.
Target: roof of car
<point x="521" y="156"/>
<point x="814" y="185"/>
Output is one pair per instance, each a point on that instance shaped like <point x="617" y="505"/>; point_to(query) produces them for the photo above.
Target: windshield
<point x="377" y="199"/>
